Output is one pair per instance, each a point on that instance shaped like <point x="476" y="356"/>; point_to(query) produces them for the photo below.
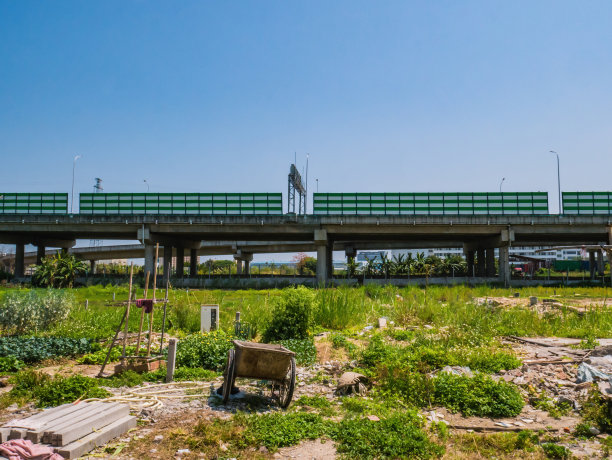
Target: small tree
<point x="58" y="271"/>
<point x="292" y="315"/>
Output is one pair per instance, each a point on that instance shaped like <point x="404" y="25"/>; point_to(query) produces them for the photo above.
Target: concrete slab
<point x="69" y="420"/>
<point x="99" y="438"/>
<point x="4" y="434"/>
<point x="77" y="430"/>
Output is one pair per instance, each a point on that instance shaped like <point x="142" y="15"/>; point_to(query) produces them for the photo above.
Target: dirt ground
<point x="166" y="423"/>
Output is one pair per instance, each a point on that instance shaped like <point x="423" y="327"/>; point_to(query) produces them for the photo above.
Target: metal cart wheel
<point x="229" y="376"/>
<point x="286" y="387"/>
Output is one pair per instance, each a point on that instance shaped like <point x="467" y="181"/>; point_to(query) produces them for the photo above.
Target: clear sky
<point x="385" y="96"/>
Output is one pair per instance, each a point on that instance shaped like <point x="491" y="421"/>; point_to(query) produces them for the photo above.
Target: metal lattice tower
<point x="294" y="187"/>
<point x="97" y="188"/>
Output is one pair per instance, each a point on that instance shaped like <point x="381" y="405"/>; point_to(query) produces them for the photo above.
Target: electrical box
<point x="209" y="318"/>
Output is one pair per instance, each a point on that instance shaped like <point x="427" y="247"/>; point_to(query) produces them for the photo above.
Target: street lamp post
<point x="145" y="181"/>
<point x="317" y="185"/>
<point x="558" y="180"/>
<point x="500" y="184"/>
<point x="76" y="157"/>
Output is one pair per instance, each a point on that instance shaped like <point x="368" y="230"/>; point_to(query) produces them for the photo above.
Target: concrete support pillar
<point x="504" y="265"/>
<point x="167" y="263"/>
<point x="180" y="262"/>
<point x="469" y="258"/>
<point x="330" y="261"/>
<point x="149" y="259"/>
<point x="246" y="263"/>
<point x="40" y="254"/>
<point x="320" y="240"/>
<point x="19" y="260"/>
<point x="193" y="262"/>
<point x="92" y="267"/>
<point x="490" y="262"/>
<point x="592" y="264"/>
<point x="600" y="263"/>
<point x="238" y="265"/>
<point x="481" y="267"/>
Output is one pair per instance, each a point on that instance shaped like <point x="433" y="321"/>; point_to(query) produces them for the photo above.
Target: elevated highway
<point x="242" y="236"/>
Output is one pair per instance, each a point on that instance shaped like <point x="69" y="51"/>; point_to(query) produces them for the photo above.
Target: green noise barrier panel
<point x="33" y="203"/>
<point x="181" y="203"/>
<point x="587" y="203"/>
<point x="507" y="203"/>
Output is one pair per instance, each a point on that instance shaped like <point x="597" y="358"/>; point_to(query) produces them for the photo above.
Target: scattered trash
<point x="458" y="370"/>
<point x="533" y="301"/>
<point x="587" y="373"/>
<point x="382" y="323"/>
<point x="373" y="418"/>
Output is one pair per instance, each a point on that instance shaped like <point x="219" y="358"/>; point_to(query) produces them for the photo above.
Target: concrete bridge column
<point x="481" y="267"/>
<point x="40" y="253"/>
<point x="238" y="265"/>
<point x="469" y="258"/>
<point x="592" y="264"/>
<point x="504" y="265"/>
<point x="320" y="240"/>
<point x="19" y="260"/>
<point x="149" y="259"/>
<point x="193" y="262"/>
<point x="600" y="262"/>
<point x="92" y="267"/>
<point x="246" y="263"/>
<point x="490" y="262"/>
<point x="330" y="260"/>
<point x="167" y="263"/>
<point x="180" y="261"/>
<point x="350" y="254"/>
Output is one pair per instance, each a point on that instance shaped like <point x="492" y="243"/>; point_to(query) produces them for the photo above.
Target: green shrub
<point x="52" y="391"/>
<point x="10" y="364"/>
<point x="479" y="395"/>
<point x="60" y="390"/>
<point x="58" y="271"/>
<point x="34" y="349"/>
<point x="398" y="436"/>
<point x="305" y="350"/>
<point x="555" y="451"/>
<point x="280" y="429"/>
<point x="292" y="315"/>
<point x="208" y="351"/>
<point x="33" y="311"/>
<point x="595" y="410"/>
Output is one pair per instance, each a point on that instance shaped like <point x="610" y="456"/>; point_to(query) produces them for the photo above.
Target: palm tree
<point x="59" y="271"/>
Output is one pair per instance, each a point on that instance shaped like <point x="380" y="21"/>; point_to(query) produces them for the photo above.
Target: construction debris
<point x="72" y="429"/>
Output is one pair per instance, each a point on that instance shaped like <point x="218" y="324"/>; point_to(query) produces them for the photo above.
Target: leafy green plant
<point x="479" y="395"/>
<point x="10" y="364"/>
<point x="292" y="315"/>
<point x="58" y="271"/>
<point x="305" y="350"/>
<point x="208" y="351"/>
<point x="398" y="436"/>
<point x="34" y="349"/>
<point x="318" y="402"/>
<point x="555" y="451"/>
<point x="52" y="391"/>
<point x="279" y="429"/>
<point x="33" y="311"/>
<point x="595" y="410"/>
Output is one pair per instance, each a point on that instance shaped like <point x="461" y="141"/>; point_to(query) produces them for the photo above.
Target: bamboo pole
<point x="142" y="313"/>
<point x="154" y="292"/>
<point x="161" y="342"/>
<point x="127" y="314"/>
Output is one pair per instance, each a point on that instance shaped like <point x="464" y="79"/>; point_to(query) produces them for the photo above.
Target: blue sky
<point x="385" y="96"/>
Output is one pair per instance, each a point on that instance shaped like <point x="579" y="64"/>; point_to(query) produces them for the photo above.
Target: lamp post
<point x="558" y="180"/>
<point x="76" y="157"/>
<point x="306" y="197"/>
<point x="317" y="185"/>
<point x="145" y="181"/>
<point x="500" y="184"/>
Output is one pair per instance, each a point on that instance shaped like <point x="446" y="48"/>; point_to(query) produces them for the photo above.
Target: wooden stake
<point x="154" y="292"/>
<point x="142" y="313"/>
<point x="127" y="314"/>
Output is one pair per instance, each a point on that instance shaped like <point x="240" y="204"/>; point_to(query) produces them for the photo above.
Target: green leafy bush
<point x="479" y="395"/>
<point x="305" y="350"/>
<point x="208" y="351"/>
<point x="52" y="391"/>
<point x="280" y="429"/>
<point x="34" y="349"/>
<point x="33" y="311"/>
<point x="398" y="436"/>
<point x="292" y="315"/>
<point x="556" y="451"/>
<point x="10" y="364"/>
<point x="595" y="410"/>
<point x="58" y="271"/>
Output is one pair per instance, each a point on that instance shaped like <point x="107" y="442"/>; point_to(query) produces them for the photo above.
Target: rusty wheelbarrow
<point x="261" y="361"/>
